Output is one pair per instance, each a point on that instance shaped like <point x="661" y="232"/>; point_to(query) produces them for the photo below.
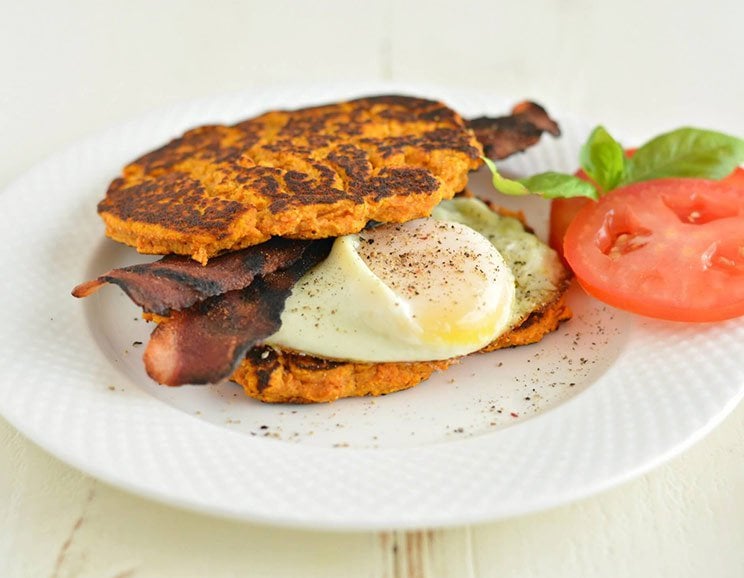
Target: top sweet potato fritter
<point x="311" y="173"/>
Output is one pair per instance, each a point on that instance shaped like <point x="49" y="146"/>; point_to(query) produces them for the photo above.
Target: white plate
<point x="605" y="398"/>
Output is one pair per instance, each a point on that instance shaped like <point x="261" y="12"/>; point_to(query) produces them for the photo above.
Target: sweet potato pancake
<point x="276" y="376"/>
<point x="312" y="173"/>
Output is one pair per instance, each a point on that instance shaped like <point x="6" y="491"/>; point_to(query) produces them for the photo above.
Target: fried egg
<point x="537" y="269"/>
<point x="424" y="290"/>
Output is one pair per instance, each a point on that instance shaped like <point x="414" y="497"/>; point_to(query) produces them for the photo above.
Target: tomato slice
<point x="668" y="248"/>
<point x="562" y="212"/>
<point x="736" y="178"/>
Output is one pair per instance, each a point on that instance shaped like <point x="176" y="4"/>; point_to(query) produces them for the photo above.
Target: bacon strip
<point x="205" y="343"/>
<point x="176" y="282"/>
<point x="503" y="136"/>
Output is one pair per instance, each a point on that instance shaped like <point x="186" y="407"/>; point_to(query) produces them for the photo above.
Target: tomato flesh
<point x="668" y="248"/>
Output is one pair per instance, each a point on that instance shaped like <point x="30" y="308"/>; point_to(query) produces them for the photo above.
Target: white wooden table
<point x="72" y="68"/>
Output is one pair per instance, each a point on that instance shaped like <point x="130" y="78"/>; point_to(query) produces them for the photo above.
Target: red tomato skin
<point x="736" y="178"/>
<point x="562" y="212"/>
<point x="668" y="278"/>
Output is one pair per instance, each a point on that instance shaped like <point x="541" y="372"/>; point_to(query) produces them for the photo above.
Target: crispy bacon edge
<point x="504" y="136"/>
<point x="205" y="343"/>
<point x="177" y="282"/>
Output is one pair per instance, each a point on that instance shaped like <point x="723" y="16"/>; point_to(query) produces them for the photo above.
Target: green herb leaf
<point x="502" y="184"/>
<point x="552" y="185"/>
<point x="686" y="152"/>
<point x="548" y="185"/>
<point x="603" y="159"/>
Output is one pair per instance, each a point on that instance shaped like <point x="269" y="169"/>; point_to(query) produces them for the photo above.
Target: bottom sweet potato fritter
<point x="275" y="376"/>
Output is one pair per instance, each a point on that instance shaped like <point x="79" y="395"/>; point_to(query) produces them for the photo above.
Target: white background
<point x="68" y="69"/>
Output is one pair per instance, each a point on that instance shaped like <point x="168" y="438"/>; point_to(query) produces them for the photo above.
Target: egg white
<point x="422" y="290"/>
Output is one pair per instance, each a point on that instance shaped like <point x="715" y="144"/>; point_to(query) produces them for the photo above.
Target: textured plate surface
<point x="606" y="397"/>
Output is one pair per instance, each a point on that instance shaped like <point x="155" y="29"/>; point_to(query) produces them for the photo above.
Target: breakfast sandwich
<point x="331" y="251"/>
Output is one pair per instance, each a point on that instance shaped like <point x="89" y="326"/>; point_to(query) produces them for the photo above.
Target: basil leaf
<point x="603" y="159"/>
<point x="552" y="185"/>
<point x="686" y="152"/>
<point x="548" y="185"/>
<point x="502" y="184"/>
